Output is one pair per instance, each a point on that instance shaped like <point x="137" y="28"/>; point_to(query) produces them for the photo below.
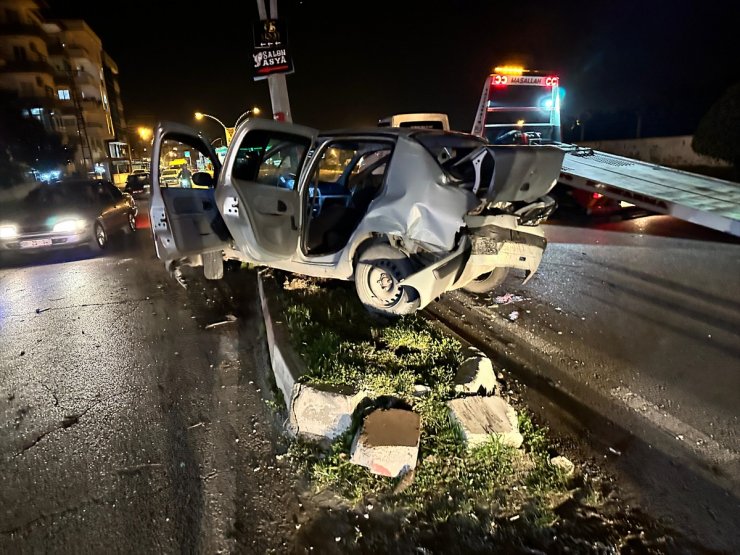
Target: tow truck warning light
<point x="509" y="70"/>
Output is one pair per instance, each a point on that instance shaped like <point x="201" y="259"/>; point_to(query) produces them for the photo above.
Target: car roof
<point x="391" y="132"/>
<point x="379" y="131"/>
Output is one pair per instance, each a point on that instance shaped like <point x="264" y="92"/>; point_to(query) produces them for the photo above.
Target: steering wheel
<point x="287" y="181"/>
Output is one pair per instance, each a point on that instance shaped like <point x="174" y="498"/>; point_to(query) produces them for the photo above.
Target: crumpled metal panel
<point x="417" y="203"/>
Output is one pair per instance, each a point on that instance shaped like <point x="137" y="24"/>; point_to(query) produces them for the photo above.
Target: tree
<point x="718" y="133"/>
<point x="25" y="144"/>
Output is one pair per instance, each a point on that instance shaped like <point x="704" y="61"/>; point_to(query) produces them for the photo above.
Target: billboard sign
<point x="270" y="54"/>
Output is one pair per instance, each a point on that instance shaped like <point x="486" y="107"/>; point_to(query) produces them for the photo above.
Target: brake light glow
<point x="596" y="196"/>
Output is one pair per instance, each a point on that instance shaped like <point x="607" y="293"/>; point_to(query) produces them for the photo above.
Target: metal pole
<point x="277" y="84"/>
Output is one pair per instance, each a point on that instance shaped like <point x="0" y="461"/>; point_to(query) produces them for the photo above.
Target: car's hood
<point x="39" y="217"/>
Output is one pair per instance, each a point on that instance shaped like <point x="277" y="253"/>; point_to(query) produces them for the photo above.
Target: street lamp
<point x="145" y="133"/>
<point x="228" y="131"/>
<point x="254" y="111"/>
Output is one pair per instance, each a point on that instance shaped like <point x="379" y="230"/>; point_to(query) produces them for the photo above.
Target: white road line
<point x="697" y="441"/>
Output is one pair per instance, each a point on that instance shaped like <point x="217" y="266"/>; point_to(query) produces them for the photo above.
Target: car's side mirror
<point x="203" y="179"/>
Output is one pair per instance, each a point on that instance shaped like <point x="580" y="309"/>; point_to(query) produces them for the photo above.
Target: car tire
<point x="131" y="224"/>
<point x="487" y="282"/>
<point x="378" y="271"/>
<point x="100" y="238"/>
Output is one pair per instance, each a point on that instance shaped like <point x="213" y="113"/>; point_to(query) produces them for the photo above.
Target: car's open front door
<point x="185" y="220"/>
<point x="258" y="192"/>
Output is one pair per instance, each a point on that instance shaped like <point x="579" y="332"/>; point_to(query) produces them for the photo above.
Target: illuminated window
<point x="63" y="94"/>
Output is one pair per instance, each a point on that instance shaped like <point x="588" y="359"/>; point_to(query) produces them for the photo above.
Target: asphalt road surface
<point x="125" y="425"/>
<point x="638" y="323"/>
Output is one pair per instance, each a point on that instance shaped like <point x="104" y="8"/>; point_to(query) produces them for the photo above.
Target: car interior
<point x="335" y="208"/>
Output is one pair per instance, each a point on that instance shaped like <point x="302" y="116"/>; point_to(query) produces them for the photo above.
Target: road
<point x="125" y="426"/>
<point x="638" y="323"/>
<point x="126" y="423"/>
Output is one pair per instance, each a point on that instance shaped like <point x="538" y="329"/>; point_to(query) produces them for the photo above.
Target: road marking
<point x="697" y="441"/>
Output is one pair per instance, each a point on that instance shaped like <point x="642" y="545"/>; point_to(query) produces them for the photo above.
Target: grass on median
<point x="342" y="345"/>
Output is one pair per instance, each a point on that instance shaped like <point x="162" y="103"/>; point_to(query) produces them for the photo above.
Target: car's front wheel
<point x="488" y="281"/>
<point x="131" y="227"/>
<point x="378" y="273"/>
<point x="100" y="238"/>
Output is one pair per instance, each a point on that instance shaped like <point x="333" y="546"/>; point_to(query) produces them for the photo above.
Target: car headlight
<point x="8" y="231"/>
<point x="66" y="226"/>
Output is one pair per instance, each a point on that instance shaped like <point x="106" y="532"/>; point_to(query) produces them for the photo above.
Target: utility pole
<point x="277" y="83"/>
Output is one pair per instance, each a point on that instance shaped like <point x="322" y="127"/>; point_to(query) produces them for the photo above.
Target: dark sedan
<point x="66" y="214"/>
<point x="138" y="184"/>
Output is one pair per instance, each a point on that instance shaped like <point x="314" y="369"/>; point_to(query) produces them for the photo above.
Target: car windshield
<point x="82" y="193"/>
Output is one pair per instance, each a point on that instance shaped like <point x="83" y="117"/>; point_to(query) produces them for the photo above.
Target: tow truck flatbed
<point x="702" y="200"/>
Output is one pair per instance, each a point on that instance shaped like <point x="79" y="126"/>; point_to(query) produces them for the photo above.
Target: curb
<point x="320" y="413"/>
<point x="287" y="366"/>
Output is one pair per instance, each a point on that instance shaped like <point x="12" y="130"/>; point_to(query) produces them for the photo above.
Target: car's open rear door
<point x="185" y="220"/>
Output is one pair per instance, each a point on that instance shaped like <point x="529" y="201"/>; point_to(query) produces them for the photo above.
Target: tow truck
<point x="520" y="106"/>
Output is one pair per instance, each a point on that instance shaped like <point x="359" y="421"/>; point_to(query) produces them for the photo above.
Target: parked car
<point x="138" y="185"/>
<point x="170" y="177"/>
<point x="66" y="214"/>
<point x="421" y="212"/>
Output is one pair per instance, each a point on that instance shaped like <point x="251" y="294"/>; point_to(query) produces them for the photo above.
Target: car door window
<point x="183" y="166"/>
<point x="102" y="194"/>
<point x="270" y="158"/>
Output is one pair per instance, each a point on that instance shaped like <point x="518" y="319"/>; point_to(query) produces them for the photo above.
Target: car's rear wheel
<point x="100" y="238"/>
<point x="488" y="281"/>
<point x="378" y="273"/>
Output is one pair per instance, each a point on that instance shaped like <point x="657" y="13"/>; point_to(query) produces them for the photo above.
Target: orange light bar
<point x="509" y="70"/>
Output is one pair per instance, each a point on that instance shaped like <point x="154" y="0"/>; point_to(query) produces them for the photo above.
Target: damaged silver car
<point x="407" y="214"/>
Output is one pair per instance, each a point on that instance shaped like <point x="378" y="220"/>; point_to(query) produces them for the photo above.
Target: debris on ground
<point x="387" y="444"/>
<point x="229" y="319"/>
<point x="509" y="298"/>
<point x="564" y="464"/>
<point x="177" y="274"/>
<point x="514" y="315"/>
<point x="476" y="374"/>
<point x="40" y="310"/>
<point x="480" y="418"/>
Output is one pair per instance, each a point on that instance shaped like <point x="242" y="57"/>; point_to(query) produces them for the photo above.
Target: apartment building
<point x="67" y="81"/>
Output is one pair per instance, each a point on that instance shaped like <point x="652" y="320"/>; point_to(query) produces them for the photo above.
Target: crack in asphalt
<point x="68" y="510"/>
<point x="39" y="311"/>
<point x="53" y="393"/>
<point x="68" y="421"/>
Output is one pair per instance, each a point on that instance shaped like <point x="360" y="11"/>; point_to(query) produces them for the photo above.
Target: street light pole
<point x="255" y="111"/>
<point x="277" y="84"/>
<point x="201" y="115"/>
<point x="228" y="131"/>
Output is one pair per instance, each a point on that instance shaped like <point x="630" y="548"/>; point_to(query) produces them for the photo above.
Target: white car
<point x="169" y="177"/>
<point x="406" y="213"/>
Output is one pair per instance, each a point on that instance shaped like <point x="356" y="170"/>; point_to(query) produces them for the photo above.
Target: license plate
<point x="33" y="243"/>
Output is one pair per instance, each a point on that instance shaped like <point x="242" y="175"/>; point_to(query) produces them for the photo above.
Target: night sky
<point x="358" y="61"/>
